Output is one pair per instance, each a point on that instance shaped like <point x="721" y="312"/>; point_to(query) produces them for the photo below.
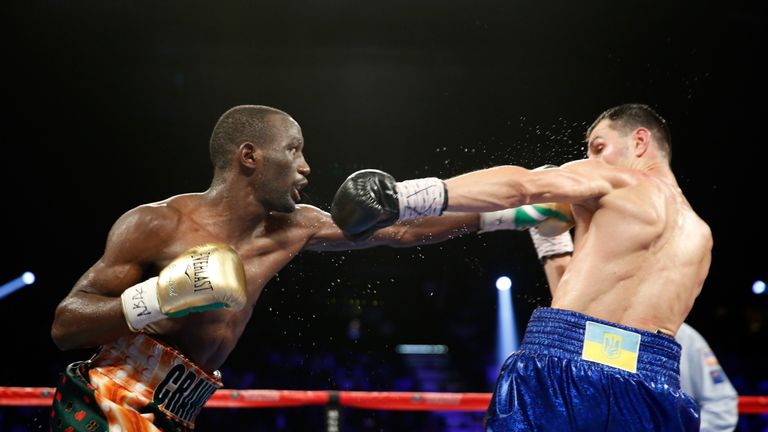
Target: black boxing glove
<point x="371" y="199"/>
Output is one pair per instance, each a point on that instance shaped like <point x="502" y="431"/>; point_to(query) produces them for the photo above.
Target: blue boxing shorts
<point x="574" y="372"/>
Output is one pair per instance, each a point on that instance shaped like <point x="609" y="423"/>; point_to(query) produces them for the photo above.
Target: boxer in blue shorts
<point x="574" y="372"/>
<point x="604" y="357"/>
<point x="701" y="377"/>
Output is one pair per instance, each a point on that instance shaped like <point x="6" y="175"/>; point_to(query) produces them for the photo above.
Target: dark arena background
<point x="110" y="104"/>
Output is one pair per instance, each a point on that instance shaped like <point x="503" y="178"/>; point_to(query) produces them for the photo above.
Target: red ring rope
<point x="411" y="401"/>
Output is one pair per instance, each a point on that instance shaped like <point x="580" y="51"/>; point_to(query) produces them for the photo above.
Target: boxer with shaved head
<point x="178" y="279"/>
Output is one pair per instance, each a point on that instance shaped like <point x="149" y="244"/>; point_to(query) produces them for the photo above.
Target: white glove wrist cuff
<point x="498" y="220"/>
<point x="140" y="304"/>
<point x="549" y="246"/>
<point x="421" y="197"/>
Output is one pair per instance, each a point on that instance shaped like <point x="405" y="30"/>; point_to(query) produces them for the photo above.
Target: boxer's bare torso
<point x="250" y="206"/>
<point x="641" y="254"/>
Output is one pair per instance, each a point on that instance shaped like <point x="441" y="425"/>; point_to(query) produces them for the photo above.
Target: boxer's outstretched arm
<point x="426" y="230"/>
<point x="369" y="200"/>
<point x="509" y="186"/>
<point x="91" y="314"/>
<point x="326" y="236"/>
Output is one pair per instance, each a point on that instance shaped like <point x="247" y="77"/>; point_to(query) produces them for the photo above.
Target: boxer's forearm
<point x="487" y="190"/>
<point x="554" y="253"/>
<point x="428" y="230"/>
<point x="554" y="268"/>
<point x="86" y="320"/>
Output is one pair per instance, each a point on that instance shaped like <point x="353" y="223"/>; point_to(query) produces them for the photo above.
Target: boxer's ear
<point x="641" y="139"/>
<point x="250" y="155"/>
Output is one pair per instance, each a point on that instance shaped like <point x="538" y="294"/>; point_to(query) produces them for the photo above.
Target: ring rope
<point x="402" y="401"/>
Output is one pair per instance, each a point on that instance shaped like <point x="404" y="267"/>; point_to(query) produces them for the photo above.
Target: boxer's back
<point x="642" y="255"/>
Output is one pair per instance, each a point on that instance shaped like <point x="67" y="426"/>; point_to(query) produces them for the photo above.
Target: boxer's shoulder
<point x="150" y="225"/>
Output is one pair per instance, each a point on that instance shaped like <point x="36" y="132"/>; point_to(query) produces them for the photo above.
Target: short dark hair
<point x="628" y="117"/>
<point x="238" y="124"/>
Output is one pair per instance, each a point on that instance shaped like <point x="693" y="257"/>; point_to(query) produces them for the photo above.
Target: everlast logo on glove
<point x="199" y="268"/>
<point x="183" y="393"/>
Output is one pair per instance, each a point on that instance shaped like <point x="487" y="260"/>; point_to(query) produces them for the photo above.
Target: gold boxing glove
<point x="205" y="277"/>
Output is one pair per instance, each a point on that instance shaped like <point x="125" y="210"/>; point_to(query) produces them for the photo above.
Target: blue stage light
<point x="503" y="283"/>
<point x="506" y="332"/>
<point x="758" y="287"/>
<point x="27" y="278"/>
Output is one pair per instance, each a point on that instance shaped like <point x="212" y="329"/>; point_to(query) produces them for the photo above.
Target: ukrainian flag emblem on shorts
<point x="611" y="346"/>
